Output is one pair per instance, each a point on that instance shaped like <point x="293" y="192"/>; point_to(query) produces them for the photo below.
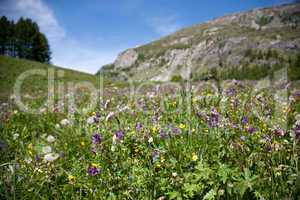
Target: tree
<point x="23" y="40"/>
<point x="40" y="48"/>
<point x="4" y="34"/>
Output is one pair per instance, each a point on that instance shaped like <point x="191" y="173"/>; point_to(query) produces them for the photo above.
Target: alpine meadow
<point x="208" y="107"/>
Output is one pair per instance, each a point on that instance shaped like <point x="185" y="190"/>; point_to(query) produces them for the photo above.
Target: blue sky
<point x="86" y="34"/>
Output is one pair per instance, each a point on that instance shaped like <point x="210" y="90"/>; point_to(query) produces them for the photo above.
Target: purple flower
<point x="250" y="130"/>
<point x="155" y="155"/>
<point x="266" y="138"/>
<point x="154" y="120"/>
<point x="231" y="92"/>
<point x="119" y="135"/>
<point x="244" y="120"/>
<point x="201" y="115"/>
<point x="162" y="134"/>
<point x="98" y="114"/>
<point x="296" y="129"/>
<point x="96" y="138"/>
<point x="213" y="120"/>
<point x="138" y="126"/>
<point x="279" y="132"/>
<point x="176" y="131"/>
<point x="93" y="170"/>
<point x="37" y="157"/>
<point x="268" y="149"/>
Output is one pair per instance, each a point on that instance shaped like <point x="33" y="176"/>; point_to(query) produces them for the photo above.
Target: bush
<point x="176" y="78"/>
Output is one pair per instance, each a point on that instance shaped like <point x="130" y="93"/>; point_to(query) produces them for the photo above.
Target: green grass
<point x="12" y="68"/>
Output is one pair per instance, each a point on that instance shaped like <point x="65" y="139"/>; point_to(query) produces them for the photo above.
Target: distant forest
<point x="23" y="39"/>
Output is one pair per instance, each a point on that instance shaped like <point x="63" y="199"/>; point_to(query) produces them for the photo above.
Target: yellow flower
<point x="193" y="130"/>
<point x="93" y="113"/>
<point x="154" y="129"/>
<point x="29" y="146"/>
<point x="194" y="157"/>
<point x="94" y="165"/>
<point x="182" y="126"/>
<point x="71" y="178"/>
<point x="82" y="143"/>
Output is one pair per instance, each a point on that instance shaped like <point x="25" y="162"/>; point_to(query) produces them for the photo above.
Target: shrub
<point x="176" y="78"/>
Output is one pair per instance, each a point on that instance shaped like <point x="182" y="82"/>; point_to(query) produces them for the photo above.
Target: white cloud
<point x="66" y="52"/>
<point x="73" y="54"/>
<point x="39" y="12"/>
<point x="164" y="25"/>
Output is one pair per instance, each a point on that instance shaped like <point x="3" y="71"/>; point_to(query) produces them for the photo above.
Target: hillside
<point x="247" y="45"/>
<point x="11" y="68"/>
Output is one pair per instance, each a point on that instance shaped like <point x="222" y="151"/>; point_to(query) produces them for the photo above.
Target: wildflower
<point x="90" y="120"/>
<point x="96" y="138"/>
<point x="279" y="132"/>
<point x="250" y="130"/>
<point x="71" y="178"/>
<point x="57" y="126"/>
<point x="138" y="126"/>
<point x="243" y="138"/>
<point x="174" y="174"/>
<point x="231" y="92"/>
<point x="119" y="135"/>
<point x="46" y="149"/>
<point x="154" y="120"/>
<point x="182" y="126"/>
<point x="296" y="129"/>
<point x="162" y="134"/>
<point x="109" y="116"/>
<point x="82" y="143"/>
<point x="213" y="120"/>
<point x="155" y="155"/>
<point x="65" y="122"/>
<point x="50" y="139"/>
<point x="29" y="146"/>
<point x="37" y="157"/>
<point x="51" y="157"/>
<point x="28" y="160"/>
<point x="176" y="131"/>
<point x="154" y="129"/>
<point x="194" y="157"/>
<point x="15" y="136"/>
<point x="244" y="120"/>
<point x="150" y="140"/>
<point x="93" y="170"/>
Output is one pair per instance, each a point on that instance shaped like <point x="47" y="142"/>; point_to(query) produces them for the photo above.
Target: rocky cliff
<point x="258" y="38"/>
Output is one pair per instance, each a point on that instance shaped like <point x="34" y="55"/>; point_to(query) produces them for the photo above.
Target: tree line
<point x="23" y="39"/>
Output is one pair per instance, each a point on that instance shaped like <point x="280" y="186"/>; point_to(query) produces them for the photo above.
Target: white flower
<point x="50" y="139"/>
<point x="65" y="122"/>
<point x="57" y="126"/>
<point x="15" y="136"/>
<point x="47" y="149"/>
<point x="42" y="110"/>
<point x="90" y="120"/>
<point x="150" y="140"/>
<point x="109" y="116"/>
<point x="28" y="160"/>
<point x="174" y="174"/>
<point x="51" y="157"/>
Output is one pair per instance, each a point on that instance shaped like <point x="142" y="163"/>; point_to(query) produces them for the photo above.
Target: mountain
<point x="34" y="85"/>
<point x="247" y="45"/>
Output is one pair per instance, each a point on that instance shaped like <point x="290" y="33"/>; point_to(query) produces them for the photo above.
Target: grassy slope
<point x="11" y="68"/>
